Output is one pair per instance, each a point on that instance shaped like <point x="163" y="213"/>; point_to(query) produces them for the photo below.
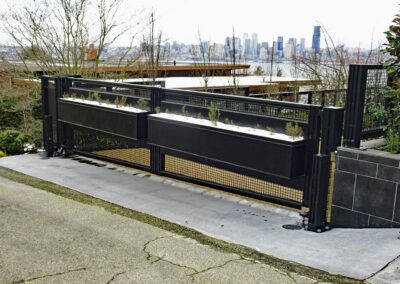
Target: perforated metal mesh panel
<point x="110" y="147"/>
<point x="230" y="179"/>
<point x="295" y="112"/>
<point x="140" y="156"/>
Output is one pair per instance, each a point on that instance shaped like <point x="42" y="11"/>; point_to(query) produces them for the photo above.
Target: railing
<point x="335" y="97"/>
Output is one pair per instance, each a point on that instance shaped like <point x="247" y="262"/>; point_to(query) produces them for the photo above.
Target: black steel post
<point x="156" y="95"/>
<point x="59" y="90"/>
<point x="156" y="157"/>
<point x="309" y="97"/>
<point x="46" y="118"/>
<point x="332" y="128"/>
<point x="355" y="100"/>
<point x="318" y="193"/>
<point x="313" y="136"/>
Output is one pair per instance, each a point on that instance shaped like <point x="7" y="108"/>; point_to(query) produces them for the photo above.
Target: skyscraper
<point x="232" y="46"/>
<point x="254" y="45"/>
<point x="279" y="47"/>
<point x="290" y="48"/>
<point x="316" y="40"/>
<point x="302" y="46"/>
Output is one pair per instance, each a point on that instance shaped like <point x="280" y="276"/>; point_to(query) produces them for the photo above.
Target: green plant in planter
<point x="142" y="103"/>
<point x="271" y="130"/>
<point x="228" y="121"/>
<point x="213" y="113"/>
<point x="293" y="130"/>
<point x="116" y="102"/>
<point x="184" y="111"/>
<point x="157" y="109"/>
<point x="97" y="97"/>
<point x="122" y="101"/>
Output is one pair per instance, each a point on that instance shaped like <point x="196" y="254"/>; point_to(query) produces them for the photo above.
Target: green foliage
<point x="393" y="142"/>
<point x="392" y="66"/>
<point x="213" y="113"/>
<point x="184" y="111"/>
<point x="116" y="102"/>
<point x="12" y="142"/>
<point x="142" y="103"/>
<point x="35" y="52"/>
<point x="293" y="129"/>
<point x="228" y="121"/>
<point x="122" y="100"/>
<point x="271" y="130"/>
<point x="157" y="109"/>
<point x="20" y="110"/>
<point x="96" y="96"/>
<point x="2" y="154"/>
<point x="10" y="116"/>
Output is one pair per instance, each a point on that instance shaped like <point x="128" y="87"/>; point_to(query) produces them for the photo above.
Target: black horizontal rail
<point x="116" y="94"/>
<point x="242" y="99"/>
<point x="109" y="84"/>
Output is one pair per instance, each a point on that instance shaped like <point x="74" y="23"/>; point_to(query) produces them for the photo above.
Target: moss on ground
<point x="219" y="245"/>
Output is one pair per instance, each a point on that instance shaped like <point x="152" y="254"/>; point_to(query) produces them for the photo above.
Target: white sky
<point x="352" y="22"/>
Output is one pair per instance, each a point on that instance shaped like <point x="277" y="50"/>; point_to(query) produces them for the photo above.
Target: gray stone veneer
<point x="367" y="189"/>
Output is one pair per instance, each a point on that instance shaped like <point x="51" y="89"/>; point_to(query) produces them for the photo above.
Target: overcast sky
<point x="352" y="22"/>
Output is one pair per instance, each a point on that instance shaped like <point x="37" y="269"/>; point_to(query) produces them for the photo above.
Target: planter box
<point x="265" y="155"/>
<point x="106" y="118"/>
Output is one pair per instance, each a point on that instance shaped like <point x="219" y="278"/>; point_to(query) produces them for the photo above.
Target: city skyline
<point x="353" y="23"/>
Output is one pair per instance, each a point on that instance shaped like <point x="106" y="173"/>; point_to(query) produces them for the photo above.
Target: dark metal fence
<point x="292" y="173"/>
<point x="336" y="97"/>
<point x="365" y="103"/>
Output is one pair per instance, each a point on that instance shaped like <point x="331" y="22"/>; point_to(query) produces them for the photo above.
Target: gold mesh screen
<point x="212" y="174"/>
<point x="140" y="156"/>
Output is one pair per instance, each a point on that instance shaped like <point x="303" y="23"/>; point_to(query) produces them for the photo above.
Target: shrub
<point x="10" y="116"/>
<point x="293" y="129"/>
<point x="143" y="103"/>
<point x="393" y="141"/>
<point x="2" y="154"/>
<point x="12" y="142"/>
<point x="213" y="113"/>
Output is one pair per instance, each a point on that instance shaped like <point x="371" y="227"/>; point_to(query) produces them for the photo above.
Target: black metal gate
<point x="89" y="117"/>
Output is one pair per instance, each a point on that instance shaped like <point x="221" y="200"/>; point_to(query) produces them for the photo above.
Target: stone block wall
<point x="366" y="190"/>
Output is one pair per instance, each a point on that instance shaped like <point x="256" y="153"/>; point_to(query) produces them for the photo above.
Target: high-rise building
<point x="232" y="46"/>
<point x="247" y="48"/>
<point x="290" y="48"/>
<point x="254" y="45"/>
<point x="279" y="46"/>
<point x="205" y="46"/>
<point x="316" y="40"/>
<point x="302" y="48"/>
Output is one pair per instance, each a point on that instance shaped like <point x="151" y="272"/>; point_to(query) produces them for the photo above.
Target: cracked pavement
<point x="45" y="238"/>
